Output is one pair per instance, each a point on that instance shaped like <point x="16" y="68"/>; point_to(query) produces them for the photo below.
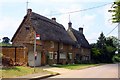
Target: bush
<point x="116" y="58"/>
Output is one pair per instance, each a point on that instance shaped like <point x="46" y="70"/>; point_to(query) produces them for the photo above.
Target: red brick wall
<point x="17" y="54"/>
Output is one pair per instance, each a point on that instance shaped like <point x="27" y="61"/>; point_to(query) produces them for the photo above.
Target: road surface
<point x="103" y="71"/>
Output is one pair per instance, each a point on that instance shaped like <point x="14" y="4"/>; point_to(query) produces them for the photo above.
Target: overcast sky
<point x="93" y="21"/>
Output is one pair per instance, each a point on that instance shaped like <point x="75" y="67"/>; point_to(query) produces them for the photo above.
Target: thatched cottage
<point x="48" y="42"/>
<point x="81" y="44"/>
<point x="54" y="44"/>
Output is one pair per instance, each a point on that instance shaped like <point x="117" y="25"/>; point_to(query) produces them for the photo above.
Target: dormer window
<point x="52" y="44"/>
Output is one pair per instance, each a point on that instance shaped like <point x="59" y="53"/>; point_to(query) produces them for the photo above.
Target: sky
<point x="93" y="21"/>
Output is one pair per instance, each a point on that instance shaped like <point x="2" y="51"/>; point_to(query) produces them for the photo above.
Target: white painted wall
<point x="32" y="61"/>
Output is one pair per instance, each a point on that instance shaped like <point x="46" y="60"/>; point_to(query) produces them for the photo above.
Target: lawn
<point x="19" y="71"/>
<point x="76" y="66"/>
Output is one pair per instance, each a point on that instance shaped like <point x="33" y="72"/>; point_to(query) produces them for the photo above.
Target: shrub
<point x="116" y="58"/>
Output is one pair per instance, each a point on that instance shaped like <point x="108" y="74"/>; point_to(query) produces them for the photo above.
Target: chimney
<point x="29" y="11"/>
<point x="69" y="25"/>
<point x="81" y="30"/>
<point x="54" y="19"/>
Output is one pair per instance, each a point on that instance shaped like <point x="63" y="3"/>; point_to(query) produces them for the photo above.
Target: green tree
<point x="101" y="41"/>
<point x="6" y="40"/>
<point x="104" y="50"/>
<point x="116" y="11"/>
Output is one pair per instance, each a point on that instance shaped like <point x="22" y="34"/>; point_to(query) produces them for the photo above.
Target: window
<point x="61" y="46"/>
<point x="55" y="55"/>
<point x="70" y="55"/>
<point x="52" y="44"/>
<point x="50" y="55"/>
<point x="62" y="56"/>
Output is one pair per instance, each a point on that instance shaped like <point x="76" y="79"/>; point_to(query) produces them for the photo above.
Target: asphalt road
<point x="104" y="71"/>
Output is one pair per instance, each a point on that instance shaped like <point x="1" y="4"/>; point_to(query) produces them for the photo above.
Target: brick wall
<point x="17" y="54"/>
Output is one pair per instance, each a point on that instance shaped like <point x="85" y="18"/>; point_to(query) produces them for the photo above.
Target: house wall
<point x="71" y="34"/>
<point x="85" y="54"/>
<point x="49" y="50"/>
<point x="24" y="35"/>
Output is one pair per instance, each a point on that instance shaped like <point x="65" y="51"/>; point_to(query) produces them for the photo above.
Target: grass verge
<point x="76" y="66"/>
<point x="17" y="71"/>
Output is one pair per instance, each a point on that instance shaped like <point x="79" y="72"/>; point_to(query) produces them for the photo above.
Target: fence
<point x="17" y="54"/>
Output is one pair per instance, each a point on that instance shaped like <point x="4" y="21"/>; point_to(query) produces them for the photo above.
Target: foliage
<point x="116" y="11"/>
<point x="5" y="44"/>
<point x="101" y="41"/>
<point x="95" y="55"/>
<point x="116" y="58"/>
<point x="6" y="40"/>
<point x="104" y="50"/>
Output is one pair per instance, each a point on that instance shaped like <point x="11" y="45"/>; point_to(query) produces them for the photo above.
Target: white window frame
<point x="70" y="55"/>
<point x="61" y="46"/>
<point x="55" y="55"/>
<point x="52" y="44"/>
<point x="62" y="56"/>
<point x="50" y="55"/>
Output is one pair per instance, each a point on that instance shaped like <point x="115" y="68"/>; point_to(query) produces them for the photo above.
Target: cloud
<point x="93" y="37"/>
<point x="8" y="26"/>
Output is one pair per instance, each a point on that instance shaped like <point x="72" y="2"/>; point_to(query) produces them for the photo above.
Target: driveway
<point x="103" y="71"/>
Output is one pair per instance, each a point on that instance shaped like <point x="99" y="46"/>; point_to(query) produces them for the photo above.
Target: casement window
<point x="62" y="56"/>
<point x="50" y="55"/>
<point x="52" y="44"/>
<point x="55" y="53"/>
<point x="61" y="46"/>
<point x="70" y="55"/>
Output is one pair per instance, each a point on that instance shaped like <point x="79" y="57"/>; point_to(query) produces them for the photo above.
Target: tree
<point x="104" y="50"/>
<point x="116" y="11"/>
<point x="101" y="41"/>
<point x="113" y="41"/>
<point x="6" y="40"/>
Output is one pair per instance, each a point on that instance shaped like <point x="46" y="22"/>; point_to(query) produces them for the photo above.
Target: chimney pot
<point x="70" y="25"/>
<point x="29" y="11"/>
<point x="54" y="19"/>
<point x="81" y="30"/>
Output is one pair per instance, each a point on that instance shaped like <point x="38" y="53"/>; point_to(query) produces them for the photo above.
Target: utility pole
<point x="118" y="37"/>
<point x="34" y="49"/>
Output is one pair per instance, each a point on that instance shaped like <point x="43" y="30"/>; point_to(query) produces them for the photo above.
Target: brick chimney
<point x="81" y="30"/>
<point x="29" y="11"/>
<point x="54" y="19"/>
<point x="69" y="25"/>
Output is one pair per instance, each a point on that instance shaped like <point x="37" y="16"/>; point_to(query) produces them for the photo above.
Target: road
<point x="103" y="71"/>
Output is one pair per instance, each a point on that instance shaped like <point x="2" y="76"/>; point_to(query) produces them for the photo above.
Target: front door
<point x="32" y="61"/>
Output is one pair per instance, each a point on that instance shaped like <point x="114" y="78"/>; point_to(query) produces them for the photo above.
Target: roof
<point x="48" y="29"/>
<point x="81" y="40"/>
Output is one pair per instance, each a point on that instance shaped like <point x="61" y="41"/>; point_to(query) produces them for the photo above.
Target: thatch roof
<point x="81" y="40"/>
<point x="48" y="29"/>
